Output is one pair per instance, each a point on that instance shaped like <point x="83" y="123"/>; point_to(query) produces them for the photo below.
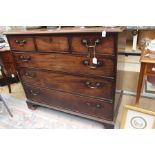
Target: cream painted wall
<point x="7" y="28"/>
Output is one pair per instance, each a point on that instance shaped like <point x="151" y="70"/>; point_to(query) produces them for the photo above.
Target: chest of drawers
<point x="57" y="71"/>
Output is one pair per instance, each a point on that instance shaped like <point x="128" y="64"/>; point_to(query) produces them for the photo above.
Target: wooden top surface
<point x="66" y="30"/>
<point x="145" y="57"/>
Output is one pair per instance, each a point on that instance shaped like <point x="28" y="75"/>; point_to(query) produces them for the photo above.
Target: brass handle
<point x="30" y="74"/>
<point x="98" y="105"/>
<point x="88" y="41"/>
<point x="90" y="45"/>
<point x="25" y="58"/>
<point x="97" y="85"/>
<point x="93" y="66"/>
<point x="21" y="42"/>
<point x="35" y="93"/>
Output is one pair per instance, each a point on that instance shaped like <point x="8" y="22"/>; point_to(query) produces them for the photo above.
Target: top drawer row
<point x="80" y="43"/>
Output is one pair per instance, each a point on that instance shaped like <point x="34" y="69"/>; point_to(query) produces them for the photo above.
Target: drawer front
<point x="21" y="43"/>
<point x="52" y="44"/>
<point x="150" y="69"/>
<point x="66" y="63"/>
<point x="68" y="83"/>
<point x="6" y="57"/>
<point x="84" y="105"/>
<point x="104" y="45"/>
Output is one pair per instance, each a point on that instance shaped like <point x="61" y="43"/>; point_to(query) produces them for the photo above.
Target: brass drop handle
<point x="35" y="93"/>
<point x="30" y="74"/>
<point x="25" y="58"/>
<point x="97" y="85"/>
<point x="91" y="47"/>
<point x="85" y="41"/>
<point x="93" y="66"/>
<point x="20" y="42"/>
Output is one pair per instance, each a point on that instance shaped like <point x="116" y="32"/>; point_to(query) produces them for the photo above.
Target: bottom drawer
<point x="84" y="105"/>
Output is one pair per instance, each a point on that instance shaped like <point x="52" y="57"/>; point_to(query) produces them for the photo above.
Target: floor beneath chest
<point x="42" y="118"/>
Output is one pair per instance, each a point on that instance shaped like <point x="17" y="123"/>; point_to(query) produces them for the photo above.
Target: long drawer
<point x="74" y="84"/>
<point x="66" y="63"/>
<point x="84" y="105"/>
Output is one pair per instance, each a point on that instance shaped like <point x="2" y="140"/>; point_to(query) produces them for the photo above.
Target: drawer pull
<point x="25" y="58"/>
<point x="97" y="85"/>
<point x="35" y="93"/>
<point x="93" y="66"/>
<point x="153" y="69"/>
<point x="21" y="42"/>
<point x="87" y="41"/>
<point x="95" y="105"/>
<point x="30" y="74"/>
<point x="90" y="45"/>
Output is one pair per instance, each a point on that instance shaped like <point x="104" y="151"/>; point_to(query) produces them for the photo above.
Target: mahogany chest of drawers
<point x="57" y="71"/>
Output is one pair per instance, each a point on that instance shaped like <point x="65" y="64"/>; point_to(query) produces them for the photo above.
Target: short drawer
<point x="104" y="45"/>
<point x="84" y="105"/>
<point x="68" y="83"/>
<point x="66" y="63"/>
<point x="52" y="43"/>
<point x="21" y="43"/>
<point x="150" y="69"/>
